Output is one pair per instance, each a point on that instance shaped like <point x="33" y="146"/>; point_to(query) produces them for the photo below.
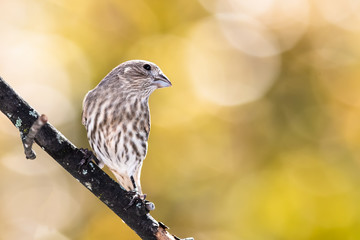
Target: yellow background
<point x="258" y="138"/>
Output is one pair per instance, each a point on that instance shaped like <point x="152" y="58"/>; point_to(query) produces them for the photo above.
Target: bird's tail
<point x="126" y="181"/>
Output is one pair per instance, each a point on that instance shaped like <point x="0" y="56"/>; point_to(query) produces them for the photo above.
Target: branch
<point x="32" y="127"/>
<point x="30" y="137"/>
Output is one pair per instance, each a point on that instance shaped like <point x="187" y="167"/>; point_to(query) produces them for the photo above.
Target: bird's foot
<point x="135" y="197"/>
<point x="142" y="206"/>
<point x="89" y="156"/>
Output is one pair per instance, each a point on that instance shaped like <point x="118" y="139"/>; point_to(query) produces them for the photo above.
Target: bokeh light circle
<point x="344" y="14"/>
<point x="223" y="74"/>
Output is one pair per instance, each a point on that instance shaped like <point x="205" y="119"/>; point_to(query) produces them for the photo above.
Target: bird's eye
<point x="147" y="67"/>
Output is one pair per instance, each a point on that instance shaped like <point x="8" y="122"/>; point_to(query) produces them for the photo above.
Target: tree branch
<point x="68" y="156"/>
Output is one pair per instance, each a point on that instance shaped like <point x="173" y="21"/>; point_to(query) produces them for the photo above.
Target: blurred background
<point x="258" y="138"/>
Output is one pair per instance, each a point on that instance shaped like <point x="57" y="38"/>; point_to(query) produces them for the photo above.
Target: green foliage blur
<point x="258" y="138"/>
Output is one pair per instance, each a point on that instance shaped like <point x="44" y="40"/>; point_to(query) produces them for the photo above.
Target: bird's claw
<point x="142" y="206"/>
<point x="134" y="198"/>
<point x="88" y="157"/>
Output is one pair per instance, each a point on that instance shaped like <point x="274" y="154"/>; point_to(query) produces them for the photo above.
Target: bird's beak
<point x="162" y="81"/>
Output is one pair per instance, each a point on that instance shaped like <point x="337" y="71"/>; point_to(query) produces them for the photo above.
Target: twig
<point x="29" y="138"/>
<point x="68" y="156"/>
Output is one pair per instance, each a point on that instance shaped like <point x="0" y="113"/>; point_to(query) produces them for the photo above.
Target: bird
<point x="116" y="116"/>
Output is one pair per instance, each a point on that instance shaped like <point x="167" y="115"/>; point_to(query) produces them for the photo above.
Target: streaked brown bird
<point x="117" y="118"/>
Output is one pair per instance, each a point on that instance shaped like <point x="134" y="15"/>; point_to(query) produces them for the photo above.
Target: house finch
<point x="117" y="118"/>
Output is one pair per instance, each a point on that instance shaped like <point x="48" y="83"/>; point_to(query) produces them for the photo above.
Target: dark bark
<point x="68" y="156"/>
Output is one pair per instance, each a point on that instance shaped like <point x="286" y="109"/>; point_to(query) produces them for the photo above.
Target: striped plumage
<point x="117" y="118"/>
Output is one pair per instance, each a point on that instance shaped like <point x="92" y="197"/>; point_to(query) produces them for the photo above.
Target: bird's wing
<point x="83" y="118"/>
<point x="84" y="112"/>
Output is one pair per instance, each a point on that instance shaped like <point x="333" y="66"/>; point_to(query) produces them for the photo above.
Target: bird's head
<point x="138" y="77"/>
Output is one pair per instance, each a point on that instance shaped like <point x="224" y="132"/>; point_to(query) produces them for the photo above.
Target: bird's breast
<point x="119" y="135"/>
